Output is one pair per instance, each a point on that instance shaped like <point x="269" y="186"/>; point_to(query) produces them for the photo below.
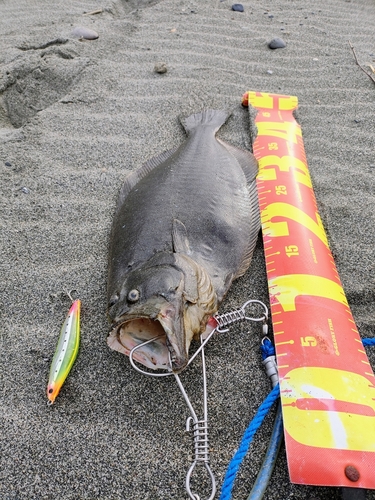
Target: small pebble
<point x="25" y="190"/>
<point x="160" y="67"/>
<point x="277" y="43"/>
<point x="271" y="16"/>
<point x="238" y="7"/>
<point x="84" y="33"/>
<point x="270" y="72"/>
<point x="8" y="164"/>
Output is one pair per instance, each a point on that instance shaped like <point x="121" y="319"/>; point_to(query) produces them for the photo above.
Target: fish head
<point x="161" y="299"/>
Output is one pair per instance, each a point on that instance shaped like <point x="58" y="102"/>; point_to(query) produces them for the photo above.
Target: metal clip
<point x="131" y="359"/>
<point x="269" y="362"/>
<point x="238" y="315"/>
<point x="200" y="434"/>
<point x="201" y="454"/>
<point x="222" y="320"/>
<point x="199" y="427"/>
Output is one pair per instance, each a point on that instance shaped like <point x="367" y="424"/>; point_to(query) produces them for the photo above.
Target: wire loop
<point x="199" y="427"/>
<point x="238" y="315"/>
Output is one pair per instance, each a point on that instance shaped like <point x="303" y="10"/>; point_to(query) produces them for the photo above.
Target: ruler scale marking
<point x="328" y="405"/>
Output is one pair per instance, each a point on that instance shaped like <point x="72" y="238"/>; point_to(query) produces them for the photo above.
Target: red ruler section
<point x="326" y="381"/>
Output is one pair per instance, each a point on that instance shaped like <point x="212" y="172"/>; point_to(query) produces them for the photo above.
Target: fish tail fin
<point x="208" y="117"/>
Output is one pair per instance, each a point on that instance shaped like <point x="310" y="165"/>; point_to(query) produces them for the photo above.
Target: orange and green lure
<point x="66" y="351"/>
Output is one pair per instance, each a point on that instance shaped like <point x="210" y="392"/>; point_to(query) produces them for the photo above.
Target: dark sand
<point x="75" y="117"/>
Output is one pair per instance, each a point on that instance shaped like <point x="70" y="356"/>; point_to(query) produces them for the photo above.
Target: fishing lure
<point x="66" y="351"/>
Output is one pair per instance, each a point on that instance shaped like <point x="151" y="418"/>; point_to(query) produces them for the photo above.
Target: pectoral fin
<point x="180" y="238"/>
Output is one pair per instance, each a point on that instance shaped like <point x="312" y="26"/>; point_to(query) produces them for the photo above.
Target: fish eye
<point x="133" y="295"/>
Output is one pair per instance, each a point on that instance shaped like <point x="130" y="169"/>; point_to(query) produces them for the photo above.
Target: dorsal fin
<point x="250" y="168"/>
<point x="246" y="160"/>
<point x="254" y="232"/>
<point x="134" y="177"/>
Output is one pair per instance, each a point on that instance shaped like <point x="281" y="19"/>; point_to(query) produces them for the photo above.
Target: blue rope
<point x="235" y="463"/>
<point x="269" y="461"/>
<point x="267" y="349"/>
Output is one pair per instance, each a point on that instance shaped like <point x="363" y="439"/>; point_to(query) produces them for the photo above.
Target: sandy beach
<point x="77" y="116"/>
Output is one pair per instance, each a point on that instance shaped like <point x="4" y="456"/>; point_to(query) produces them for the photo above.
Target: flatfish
<point x="185" y="227"/>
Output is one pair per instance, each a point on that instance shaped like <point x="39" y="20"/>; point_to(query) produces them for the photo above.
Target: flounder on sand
<point x="185" y="227"/>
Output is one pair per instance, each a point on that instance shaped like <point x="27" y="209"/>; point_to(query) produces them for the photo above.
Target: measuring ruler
<point x="327" y="386"/>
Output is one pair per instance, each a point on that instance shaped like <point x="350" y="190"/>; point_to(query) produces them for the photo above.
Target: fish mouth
<point x="163" y="353"/>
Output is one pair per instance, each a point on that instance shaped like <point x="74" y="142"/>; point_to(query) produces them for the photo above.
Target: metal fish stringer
<point x="199" y="427"/>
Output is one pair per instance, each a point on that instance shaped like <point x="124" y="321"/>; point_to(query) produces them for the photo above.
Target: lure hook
<point x="69" y="293"/>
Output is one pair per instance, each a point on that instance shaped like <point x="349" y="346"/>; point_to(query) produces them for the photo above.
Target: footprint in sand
<point x="39" y="77"/>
